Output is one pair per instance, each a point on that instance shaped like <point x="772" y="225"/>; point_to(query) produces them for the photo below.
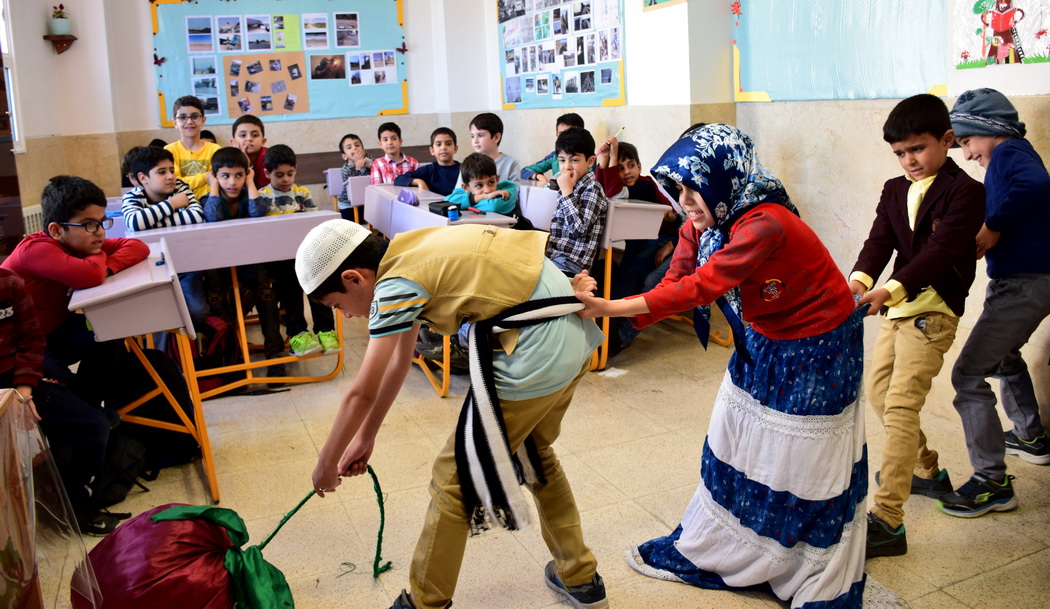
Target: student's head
<point x="280" y="167"/>
<point x="390" y="139"/>
<point x="627" y="164"/>
<point x="982" y="119"/>
<point x="566" y="121"/>
<point x="153" y="169"/>
<point x="479" y="173"/>
<point x="157" y="143"/>
<point x="207" y="136"/>
<point x="443" y="145"/>
<point x="486" y="133"/>
<point x="189" y="116"/>
<point x="249" y="134"/>
<point x="349" y="144"/>
<point x="919" y="134"/>
<point x="575" y="149"/>
<point x="74" y="212"/>
<point x="230" y="167"/>
<point x="336" y="265"/>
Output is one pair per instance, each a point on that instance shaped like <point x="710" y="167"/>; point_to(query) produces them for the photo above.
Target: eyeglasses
<point x="92" y="226"/>
<point x="182" y="118"/>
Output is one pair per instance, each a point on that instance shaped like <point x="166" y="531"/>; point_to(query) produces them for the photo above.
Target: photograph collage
<point x="554" y="48"/>
<point x="266" y="83"/>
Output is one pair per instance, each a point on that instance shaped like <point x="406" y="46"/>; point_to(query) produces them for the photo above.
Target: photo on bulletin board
<point x="575" y="45"/>
<point x="255" y="56"/>
<point x="653" y="4"/>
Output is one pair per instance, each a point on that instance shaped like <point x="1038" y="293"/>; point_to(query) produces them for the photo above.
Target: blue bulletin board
<point x="279" y="60"/>
<point x="556" y="54"/>
<point x="847" y="49"/>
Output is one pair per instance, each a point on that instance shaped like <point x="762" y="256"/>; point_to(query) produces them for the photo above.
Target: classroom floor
<point x="631" y="447"/>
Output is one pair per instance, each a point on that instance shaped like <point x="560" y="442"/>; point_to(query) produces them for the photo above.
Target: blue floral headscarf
<point x="719" y="161"/>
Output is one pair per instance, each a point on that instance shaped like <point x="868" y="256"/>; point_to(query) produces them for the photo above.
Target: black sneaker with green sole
<point x="884" y="541"/>
<point x="934" y="487"/>
<point x="1035" y="451"/>
<point x="978" y="497"/>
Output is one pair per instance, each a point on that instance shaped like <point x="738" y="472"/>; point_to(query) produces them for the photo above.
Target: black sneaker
<point x="1034" y="451"/>
<point x="276" y="370"/>
<point x="934" y="487"/>
<point x="585" y="596"/>
<point x="98" y="524"/>
<point x="884" y="541"/>
<point x="978" y="497"/>
<point x="404" y="602"/>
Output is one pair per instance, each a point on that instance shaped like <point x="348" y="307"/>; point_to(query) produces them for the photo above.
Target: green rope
<point x="376" y="568"/>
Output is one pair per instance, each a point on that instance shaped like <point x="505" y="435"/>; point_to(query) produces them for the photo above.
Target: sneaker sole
<point x="1029" y="457"/>
<point x="998" y="506"/>
<point x="602" y="604"/>
<point x="307" y="352"/>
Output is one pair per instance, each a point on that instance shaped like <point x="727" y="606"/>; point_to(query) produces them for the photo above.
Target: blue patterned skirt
<point x="783" y="478"/>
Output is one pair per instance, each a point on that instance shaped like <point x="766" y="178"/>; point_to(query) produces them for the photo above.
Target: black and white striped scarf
<point x="489" y="475"/>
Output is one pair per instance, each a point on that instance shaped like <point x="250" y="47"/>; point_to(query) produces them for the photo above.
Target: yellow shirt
<point x="927" y="300"/>
<point x="193" y="167"/>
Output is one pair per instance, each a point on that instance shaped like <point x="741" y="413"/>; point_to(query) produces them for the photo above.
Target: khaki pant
<point x="439" y="552"/>
<point x="906" y="359"/>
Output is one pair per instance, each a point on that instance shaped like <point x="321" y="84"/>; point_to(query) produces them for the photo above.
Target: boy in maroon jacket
<point x="929" y="217"/>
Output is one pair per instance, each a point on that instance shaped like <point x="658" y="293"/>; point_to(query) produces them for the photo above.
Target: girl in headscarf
<point x="780" y="505"/>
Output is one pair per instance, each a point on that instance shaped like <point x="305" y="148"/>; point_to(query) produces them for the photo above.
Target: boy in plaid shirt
<point x="576" y="228"/>
<point x="393" y="163"/>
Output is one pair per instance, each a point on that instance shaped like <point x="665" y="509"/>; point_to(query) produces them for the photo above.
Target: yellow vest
<point x="472" y="272"/>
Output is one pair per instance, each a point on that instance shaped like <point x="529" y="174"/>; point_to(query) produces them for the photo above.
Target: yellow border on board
<point x="400" y="13"/>
<point x="939" y="90"/>
<point x="153" y="9"/>
<point x="164" y="120"/>
<point x="662" y="5"/>
<point x="617" y="101"/>
<point x="744" y="96"/>
<point x="404" y="101"/>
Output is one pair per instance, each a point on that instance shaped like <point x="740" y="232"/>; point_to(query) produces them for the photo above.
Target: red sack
<point x="176" y="564"/>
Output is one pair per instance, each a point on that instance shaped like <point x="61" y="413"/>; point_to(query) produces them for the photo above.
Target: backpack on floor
<point x="125" y="462"/>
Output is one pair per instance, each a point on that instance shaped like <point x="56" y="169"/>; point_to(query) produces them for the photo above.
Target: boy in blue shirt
<point x="1013" y="238"/>
<point x="441" y="175"/>
<point x="537" y="171"/>
<point x="482" y="189"/>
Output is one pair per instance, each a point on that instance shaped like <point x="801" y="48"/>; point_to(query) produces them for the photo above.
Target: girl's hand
<point x="354" y="461"/>
<point x="325" y="478"/>
<point x="592" y="305"/>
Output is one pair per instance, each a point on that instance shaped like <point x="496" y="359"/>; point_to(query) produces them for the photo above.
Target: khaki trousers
<point x="439" y="552"/>
<point x="909" y="352"/>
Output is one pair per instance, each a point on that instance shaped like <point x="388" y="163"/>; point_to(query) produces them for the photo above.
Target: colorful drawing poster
<point x="1000" y="32"/>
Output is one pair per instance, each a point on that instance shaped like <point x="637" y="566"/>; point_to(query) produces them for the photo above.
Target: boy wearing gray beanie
<point x="1013" y="238"/>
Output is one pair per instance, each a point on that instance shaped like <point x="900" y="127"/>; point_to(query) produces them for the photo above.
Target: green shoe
<point x="329" y="341"/>
<point x="304" y="343"/>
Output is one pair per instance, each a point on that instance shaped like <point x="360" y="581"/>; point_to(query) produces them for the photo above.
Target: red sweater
<point x="261" y="179"/>
<point x="789" y="286"/>
<point x="21" y="342"/>
<point x="51" y="273"/>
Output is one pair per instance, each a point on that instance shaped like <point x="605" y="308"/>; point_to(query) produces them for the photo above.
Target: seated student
<point x="285" y="197"/>
<point x="192" y="155"/>
<point x="486" y="135"/>
<point x="249" y="135"/>
<point x="208" y="136"/>
<point x="356" y="162"/>
<point x="393" y="163"/>
<point x="442" y="175"/>
<point x="537" y="171"/>
<point x="76" y="431"/>
<point x="482" y="189"/>
<point x="445" y="275"/>
<point x="233" y="195"/>
<point x="579" y="218"/>
<point x="619" y="173"/>
<point x="73" y="253"/>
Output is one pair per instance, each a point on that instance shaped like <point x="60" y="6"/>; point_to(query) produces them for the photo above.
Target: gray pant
<point x="1014" y="306"/>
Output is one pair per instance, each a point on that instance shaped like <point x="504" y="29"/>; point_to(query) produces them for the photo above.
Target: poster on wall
<point x="648" y="5"/>
<point x="800" y="49"/>
<point x="1000" y="32"/>
<point x="255" y="57"/>
<point x="555" y="53"/>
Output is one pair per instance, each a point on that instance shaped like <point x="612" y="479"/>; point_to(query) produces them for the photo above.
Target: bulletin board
<point x="847" y="49"/>
<point x="322" y="60"/>
<point x="556" y="54"/>
<point x="1000" y="32"/>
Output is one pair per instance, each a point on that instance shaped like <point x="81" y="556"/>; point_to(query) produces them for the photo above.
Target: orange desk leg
<point x="601" y="354"/>
<point x="444" y="366"/>
<point x="716" y="337"/>
<point x="198" y="427"/>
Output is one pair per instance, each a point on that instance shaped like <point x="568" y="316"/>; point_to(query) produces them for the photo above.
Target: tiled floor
<point x="631" y="447"/>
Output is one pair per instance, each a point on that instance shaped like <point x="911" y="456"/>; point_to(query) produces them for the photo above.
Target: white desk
<point x="537" y="203"/>
<point x="390" y="216"/>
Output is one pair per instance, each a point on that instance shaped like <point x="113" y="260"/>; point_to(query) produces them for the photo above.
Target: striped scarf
<point x="489" y="475"/>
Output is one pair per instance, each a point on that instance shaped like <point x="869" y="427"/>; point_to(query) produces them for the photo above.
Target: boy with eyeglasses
<point x="73" y="253"/>
<point x="192" y="154"/>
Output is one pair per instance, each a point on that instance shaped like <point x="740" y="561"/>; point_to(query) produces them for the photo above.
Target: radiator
<point x="34" y="218"/>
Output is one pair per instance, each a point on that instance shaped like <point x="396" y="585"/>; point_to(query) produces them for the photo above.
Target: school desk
<point x="144" y="299"/>
<point x="390" y="216"/>
<point x="233" y="243"/>
<point x="537" y="203"/>
<point x="355" y="189"/>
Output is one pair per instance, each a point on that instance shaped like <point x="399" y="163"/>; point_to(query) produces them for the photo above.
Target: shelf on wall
<point x="61" y="43"/>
